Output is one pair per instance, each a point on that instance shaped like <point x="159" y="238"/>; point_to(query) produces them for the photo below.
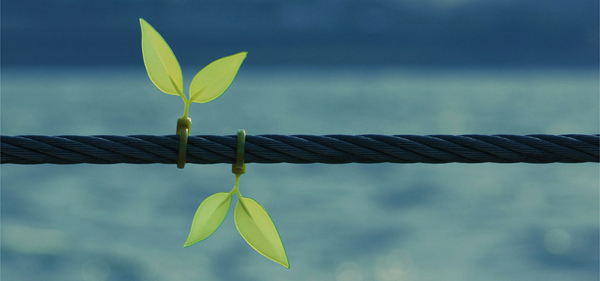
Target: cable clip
<point x="251" y="219"/>
<point x="239" y="167"/>
<point x="184" y="128"/>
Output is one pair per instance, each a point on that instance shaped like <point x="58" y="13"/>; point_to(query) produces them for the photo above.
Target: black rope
<point x="300" y="149"/>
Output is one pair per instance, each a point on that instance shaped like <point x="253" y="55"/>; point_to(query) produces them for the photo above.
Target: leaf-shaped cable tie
<point x="164" y="71"/>
<point x="251" y="219"/>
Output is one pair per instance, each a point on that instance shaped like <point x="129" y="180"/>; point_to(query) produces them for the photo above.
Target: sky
<point x="433" y="32"/>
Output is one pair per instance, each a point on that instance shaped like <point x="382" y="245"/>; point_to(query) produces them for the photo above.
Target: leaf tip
<point x="243" y="54"/>
<point x="188" y="242"/>
<point x="284" y="260"/>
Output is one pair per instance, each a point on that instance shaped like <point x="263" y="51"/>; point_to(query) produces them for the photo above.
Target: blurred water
<point x="338" y="222"/>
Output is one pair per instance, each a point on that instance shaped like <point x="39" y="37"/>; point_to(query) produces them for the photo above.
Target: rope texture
<point x="302" y="149"/>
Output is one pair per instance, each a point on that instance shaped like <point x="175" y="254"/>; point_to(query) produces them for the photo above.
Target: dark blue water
<point x="337" y="222"/>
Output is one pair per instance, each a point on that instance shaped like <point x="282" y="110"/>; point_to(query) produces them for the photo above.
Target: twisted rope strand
<point x="303" y="149"/>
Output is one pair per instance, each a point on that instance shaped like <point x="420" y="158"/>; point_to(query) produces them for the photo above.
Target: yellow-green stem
<point x="186" y="110"/>
<point x="236" y="189"/>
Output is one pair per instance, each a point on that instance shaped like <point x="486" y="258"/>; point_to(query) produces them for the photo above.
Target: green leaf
<point x="209" y="217"/>
<point x="161" y="64"/>
<point x="215" y="78"/>
<point x="255" y="225"/>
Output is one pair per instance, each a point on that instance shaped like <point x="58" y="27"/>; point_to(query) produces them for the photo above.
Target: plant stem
<point x="186" y="110"/>
<point x="236" y="189"/>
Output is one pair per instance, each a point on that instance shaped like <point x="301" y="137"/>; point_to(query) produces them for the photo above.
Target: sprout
<point x="251" y="220"/>
<point x="165" y="72"/>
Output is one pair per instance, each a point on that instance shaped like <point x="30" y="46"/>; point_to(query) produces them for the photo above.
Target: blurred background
<point x="313" y="67"/>
<point x="426" y="32"/>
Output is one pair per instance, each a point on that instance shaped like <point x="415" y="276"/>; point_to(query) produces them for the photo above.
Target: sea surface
<point x="346" y="222"/>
